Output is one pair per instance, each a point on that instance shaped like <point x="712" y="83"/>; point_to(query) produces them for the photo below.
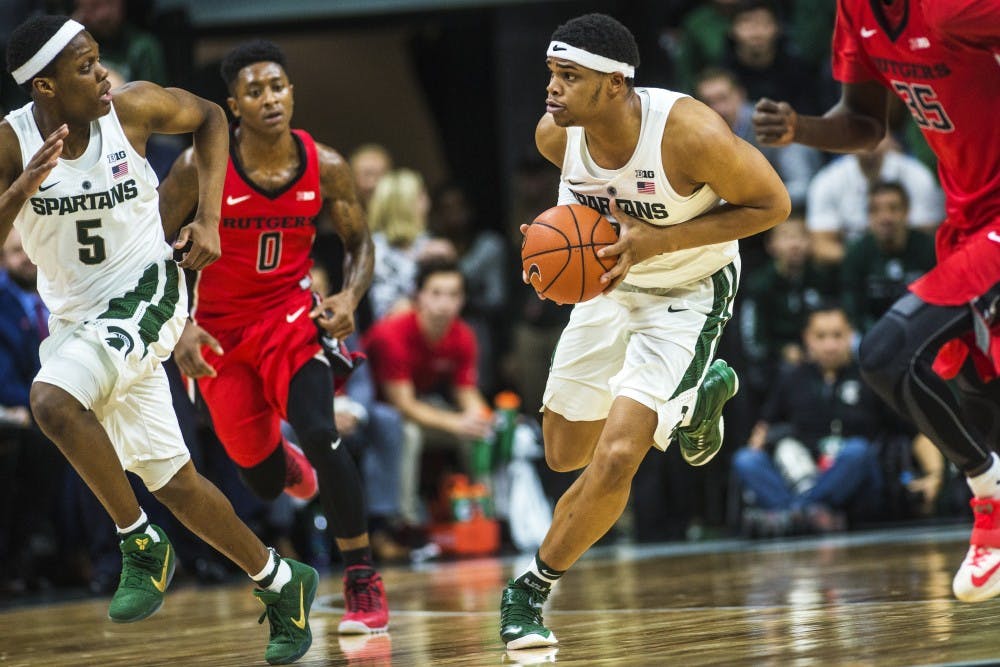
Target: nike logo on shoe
<point x="291" y="317"/>
<point x="300" y="622"/>
<point x="512" y="630"/>
<point x="161" y="585"/>
<point x="980" y="580"/>
<point x="233" y="201"/>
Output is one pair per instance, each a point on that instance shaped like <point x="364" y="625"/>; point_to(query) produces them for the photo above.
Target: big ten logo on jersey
<point x="115" y="157"/>
<point x="648" y="211"/>
<point x="645" y="173"/>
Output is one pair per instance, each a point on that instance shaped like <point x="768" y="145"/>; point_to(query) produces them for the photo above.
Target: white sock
<point x="135" y="526"/>
<point x="281" y="577"/>
<point x="987" y="484"/>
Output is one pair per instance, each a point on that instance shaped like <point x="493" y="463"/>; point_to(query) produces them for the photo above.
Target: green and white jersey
<point x="641" y="189"/>
<point x="93" y="228"/>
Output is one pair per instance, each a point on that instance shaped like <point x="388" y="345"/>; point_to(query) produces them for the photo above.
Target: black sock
<point x="360" y="556"/>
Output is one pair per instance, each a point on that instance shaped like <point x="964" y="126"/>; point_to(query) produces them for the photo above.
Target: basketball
<point x="559" y="253"/>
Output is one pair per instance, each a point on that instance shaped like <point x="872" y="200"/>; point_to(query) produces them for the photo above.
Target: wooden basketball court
<point x="880" y="598"/>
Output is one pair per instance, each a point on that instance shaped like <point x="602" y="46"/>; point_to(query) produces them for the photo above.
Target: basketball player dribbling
<point x="941" y="59"/>
<point x="76" y="184"/>
<point x="253" y="343"/>
<point x="633" y="368"/>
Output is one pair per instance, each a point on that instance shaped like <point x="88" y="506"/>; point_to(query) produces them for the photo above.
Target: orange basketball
<point x="559" y="253"/>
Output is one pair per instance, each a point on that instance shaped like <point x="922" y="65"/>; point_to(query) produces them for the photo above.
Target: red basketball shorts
<point x="249" y="397"/>
<point x="968" y="267"/>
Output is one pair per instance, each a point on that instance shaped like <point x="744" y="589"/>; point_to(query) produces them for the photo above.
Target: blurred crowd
<point x="447" y="324"/>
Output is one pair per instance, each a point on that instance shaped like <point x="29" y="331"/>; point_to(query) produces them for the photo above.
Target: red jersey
<point x="951" y="87"/>
<point x="397" y="350"/>
<point x="267" y="239"/>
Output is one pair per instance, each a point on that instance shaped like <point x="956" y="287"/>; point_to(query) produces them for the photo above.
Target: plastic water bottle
<point x="482" y="454"/>
<point x="507" y="405"/>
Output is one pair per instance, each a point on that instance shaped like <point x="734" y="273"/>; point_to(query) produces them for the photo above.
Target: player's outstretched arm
<point x="17" y="184"/>
<point x="145" y="108"/>
<point x="340" y="201"/>
<point x="856" y="123"/>
<point x="703" y="151"/>
<point x="178" y="194"/>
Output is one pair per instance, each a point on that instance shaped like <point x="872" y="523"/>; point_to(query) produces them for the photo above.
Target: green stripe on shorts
<point x="159" y="313"/>
<point x="125" y="306"/>
<point x="724" y="289"/>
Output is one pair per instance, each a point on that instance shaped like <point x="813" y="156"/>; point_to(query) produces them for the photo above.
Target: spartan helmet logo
<point x="120" y="340"/>
<point x="142" y="543"/>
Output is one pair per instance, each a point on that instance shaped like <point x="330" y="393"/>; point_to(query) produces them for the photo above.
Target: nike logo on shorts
<point x="291" y="317"/>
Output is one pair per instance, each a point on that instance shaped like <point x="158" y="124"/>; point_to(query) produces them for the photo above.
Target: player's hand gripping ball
<point x="559" y="253"/>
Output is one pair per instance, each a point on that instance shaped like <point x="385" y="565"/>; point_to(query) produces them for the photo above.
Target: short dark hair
<point x="433" y="265"/>
<point x="248" y="53"/>
<point x="713" y="72"/>
<point x="27" y="38"/>
<point x="602" y="35"/>
<point x="825" y="304"/>
<point x="890" y="186"/>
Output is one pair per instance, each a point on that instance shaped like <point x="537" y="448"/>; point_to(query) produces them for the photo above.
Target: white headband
<point x="589" y="60"/>
<point x="48" y="52"/>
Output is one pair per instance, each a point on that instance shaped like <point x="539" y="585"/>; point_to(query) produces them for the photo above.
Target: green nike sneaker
<point x="147" y="568"/>
<point x="288" y="614"/>
<point x="521" y="618"/>
<point x="701" y="440"/>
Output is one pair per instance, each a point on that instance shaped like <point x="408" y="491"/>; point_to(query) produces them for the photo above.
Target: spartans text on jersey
<point x="92" y="201"/>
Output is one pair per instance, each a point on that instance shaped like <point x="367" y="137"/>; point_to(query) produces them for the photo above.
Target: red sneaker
<point x="364" y="598"/>
<point x="300" y="477"/>
<point x="979" y="576"/>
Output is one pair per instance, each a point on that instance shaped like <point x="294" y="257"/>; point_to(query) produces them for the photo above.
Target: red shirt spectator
<point x="398" y="350"/>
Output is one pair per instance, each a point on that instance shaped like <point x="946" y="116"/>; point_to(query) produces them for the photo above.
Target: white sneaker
<point x="978" y="578"/>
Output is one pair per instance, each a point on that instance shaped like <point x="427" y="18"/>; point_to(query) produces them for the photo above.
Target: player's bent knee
<point x="52" y="407"/>
<point x="565" y="459"/>
<point x="615" y="464"/>
<point x="883" y="356"/>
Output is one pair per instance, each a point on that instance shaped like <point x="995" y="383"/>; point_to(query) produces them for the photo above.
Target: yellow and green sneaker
<point x="147" y="568"/>
<point x="288" y="614"/>
<point x="521" y="618"/>
<point x="701" y="440"/>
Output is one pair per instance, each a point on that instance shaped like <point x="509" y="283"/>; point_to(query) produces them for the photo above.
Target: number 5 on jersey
<point x="92" y="246"/>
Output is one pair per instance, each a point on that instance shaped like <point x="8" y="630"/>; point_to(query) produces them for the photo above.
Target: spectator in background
<point x="812" y="453"/>
<point x="482" y="258"/>
<point x="722" y="90"/>
<point x="888" y="257"/>
<point x="397" y="217"/>
<point x="424" y="363"/>
<point x="776" y="302"/>
<point x="369" y="162"/>
<point x="761" y="58"/>
<point x="133" y="54"/>
<point x="29" y="464"/>
<point x="837" y="208"/>
<point x="23" y="326"/>
<point x="701" y="41"/>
